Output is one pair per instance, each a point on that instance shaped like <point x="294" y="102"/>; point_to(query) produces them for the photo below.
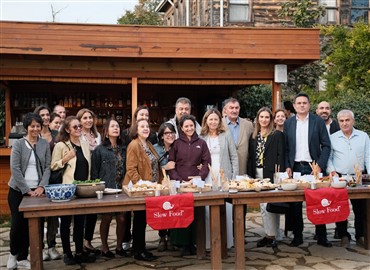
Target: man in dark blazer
<point x="306" y="140"/>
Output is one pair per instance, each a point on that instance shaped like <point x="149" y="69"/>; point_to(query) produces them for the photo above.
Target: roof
<point x="296" y="46"/>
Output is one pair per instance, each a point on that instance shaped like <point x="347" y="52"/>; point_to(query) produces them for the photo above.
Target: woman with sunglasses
<point x="224" y="156"/>
<point x="141" y="163"/>
<point x="89" y="134"/>
<point x="72" y="152"/>
<point x="166" y="137"/>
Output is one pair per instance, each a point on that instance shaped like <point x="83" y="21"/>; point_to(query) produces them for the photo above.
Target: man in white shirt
<point x="306" y="140"/>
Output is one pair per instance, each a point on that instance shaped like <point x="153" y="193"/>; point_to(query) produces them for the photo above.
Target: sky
<point x="72" y="11"/>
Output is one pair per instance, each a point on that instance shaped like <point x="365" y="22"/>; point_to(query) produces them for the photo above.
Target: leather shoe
<point x="296" y="242"/>
<point x="345" y="241"/>
<point x="145" y="256"/>
<point x="324" y="243"/>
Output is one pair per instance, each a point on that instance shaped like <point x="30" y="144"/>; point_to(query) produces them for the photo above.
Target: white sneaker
<point x="25" y="264"/>
<point x="45" y="255"/>
<point x="54" y="254"/>
<point x="12" y="262"/>
<point x="126" y="245"/>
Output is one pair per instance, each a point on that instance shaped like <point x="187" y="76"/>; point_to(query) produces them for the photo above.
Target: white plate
<point x="67" y="200"/>
<point x="112" y="190"/>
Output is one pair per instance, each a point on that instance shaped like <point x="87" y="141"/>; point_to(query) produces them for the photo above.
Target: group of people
<point x="182" y="148"/>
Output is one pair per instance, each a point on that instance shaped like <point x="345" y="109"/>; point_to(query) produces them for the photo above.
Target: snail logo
<point x="325" y="202"/>
<point x="167" y="206"/>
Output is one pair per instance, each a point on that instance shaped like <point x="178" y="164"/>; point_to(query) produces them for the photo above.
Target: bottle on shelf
<point x="120" y="102"/>
<point x="92" y="101"/>
<point x="70" y="102"/>
<point x="128" y="120"/>
<point x="97" y="101"/>
<point x="65" y="102"/>
<point x="106" y="102"/>
<point x="16" y="101"/>
<point x="74" y="101"/>
<point x="128" y="101"/>
<point x="78" y="103"/>
<point x="110" y="104"/>
<point x="83" y="100"/>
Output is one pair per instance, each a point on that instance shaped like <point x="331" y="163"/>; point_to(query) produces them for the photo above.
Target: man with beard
<point x="324" y="112"/>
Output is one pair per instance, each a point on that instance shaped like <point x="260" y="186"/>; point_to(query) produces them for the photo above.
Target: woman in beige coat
<point x="74" y="153"/>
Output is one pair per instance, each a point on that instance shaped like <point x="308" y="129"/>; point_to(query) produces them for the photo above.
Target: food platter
<point x="248" y="185"/>
<point x="145" y="190"/>
<point x="188" y="187"/>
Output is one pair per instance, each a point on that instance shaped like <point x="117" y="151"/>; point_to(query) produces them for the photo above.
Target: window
<point x="360" y="11"/>
<point x="239" y="11"/>
<point x="331" y="11"/>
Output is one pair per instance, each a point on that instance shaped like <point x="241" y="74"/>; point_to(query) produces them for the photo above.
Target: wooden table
<point x="34" y="208"/>
<point x="244" y="198"/>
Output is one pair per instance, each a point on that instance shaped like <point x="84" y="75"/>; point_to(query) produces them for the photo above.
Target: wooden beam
<point x="134" y="97"/>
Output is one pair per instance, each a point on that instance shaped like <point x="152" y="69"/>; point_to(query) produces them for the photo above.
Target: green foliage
<point x="253" y="98"/>
<point x="143" y="14"/>
<point x="348" y="59"/>
<point x="302" y="13"/>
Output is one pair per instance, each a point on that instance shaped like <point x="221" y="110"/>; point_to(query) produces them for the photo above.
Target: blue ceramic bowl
<point x="60" y="192"/>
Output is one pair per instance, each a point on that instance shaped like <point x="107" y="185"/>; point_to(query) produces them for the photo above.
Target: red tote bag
<point x="326" y="205"/>
<point x="167" y="212"/>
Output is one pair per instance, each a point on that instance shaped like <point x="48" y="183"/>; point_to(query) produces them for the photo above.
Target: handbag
<point x="278" y="207"/>
<point x="56" y="177"/>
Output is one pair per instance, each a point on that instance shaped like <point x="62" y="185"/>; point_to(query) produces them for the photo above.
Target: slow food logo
<point x="167" y="206"/>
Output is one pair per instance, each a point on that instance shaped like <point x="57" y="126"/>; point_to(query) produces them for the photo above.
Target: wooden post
<point x="276" y="96"/>
<point x="133" y="96"/>
<point x="8" y="116"/>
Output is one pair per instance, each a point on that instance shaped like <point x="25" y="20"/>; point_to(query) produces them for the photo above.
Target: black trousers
<point x="78" y="233"/>
<point x="127" y="232"/>
<point x="19" y="235"/>
<point x="138" y="231"/>
<point x="296" y="208"/>
<point x="358" y="207"/>
<point x="90" y="223"/>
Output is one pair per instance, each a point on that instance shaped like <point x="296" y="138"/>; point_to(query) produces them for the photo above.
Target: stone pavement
<point x="307" y="256"/>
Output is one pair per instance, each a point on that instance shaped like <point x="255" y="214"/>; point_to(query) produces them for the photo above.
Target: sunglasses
<point x="168" y="133"/>
<point x="76" y="127"/>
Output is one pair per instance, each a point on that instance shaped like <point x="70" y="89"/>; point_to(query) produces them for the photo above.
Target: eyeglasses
<point x="76" y="127"/>
<point x="169" y="133"/>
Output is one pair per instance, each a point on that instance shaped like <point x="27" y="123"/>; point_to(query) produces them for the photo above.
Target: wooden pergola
<point x="135" y="57"/>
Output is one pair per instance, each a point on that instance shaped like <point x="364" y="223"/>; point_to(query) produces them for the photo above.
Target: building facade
<point x="254" y="13"/>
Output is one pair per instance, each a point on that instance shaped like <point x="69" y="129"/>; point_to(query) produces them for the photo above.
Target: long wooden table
<point x="34" y="208"/>
<point x="244" y="198"/>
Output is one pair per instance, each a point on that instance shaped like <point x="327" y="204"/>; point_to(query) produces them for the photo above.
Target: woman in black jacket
<point x="266" y="154"/>
<point x="109" y="164"/>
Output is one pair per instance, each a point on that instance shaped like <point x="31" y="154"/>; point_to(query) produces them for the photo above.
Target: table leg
<point x="239" y="230"/>
<point x="367" y="224"/>
<point x="200" y="219"/>
<point x="35" y="244"/>
<point x="223" y="231"/>
<point x="215" y="235"/>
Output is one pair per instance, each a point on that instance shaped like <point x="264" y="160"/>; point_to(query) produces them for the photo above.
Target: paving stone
<point x="323" y="266"/>
<point x="259" y="255"/>
<point x="286" y="261"/>
<point x="314" y="259"/>
<point x="275" y="267"/>
<point x="302" y="267"/>
<point x="258" y="262"/>
<point x="337" y="253"/>
<point x="349" y="264"/>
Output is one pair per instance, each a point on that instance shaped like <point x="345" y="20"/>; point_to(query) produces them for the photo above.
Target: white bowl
<point x="340" y="184"/>
<point x="289" y="186"/>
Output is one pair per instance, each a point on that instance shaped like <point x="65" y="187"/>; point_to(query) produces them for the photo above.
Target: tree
<point x="144" y="14"/>
<point x="305" y="14"/>
<point x="302" y="13"/>
<point x="348" y="59"/>
<point x="253" y="98"/>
